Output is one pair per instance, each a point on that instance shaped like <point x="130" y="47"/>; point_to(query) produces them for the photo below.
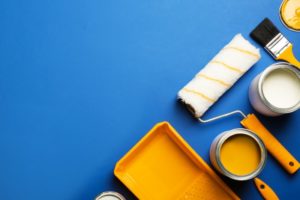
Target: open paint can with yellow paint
<point x="238" y="154"/>
<point x="276" y="90"/>
<point x="290" y="14"/>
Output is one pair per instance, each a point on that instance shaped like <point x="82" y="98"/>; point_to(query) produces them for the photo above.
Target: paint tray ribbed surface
<point x="162" y="166"/>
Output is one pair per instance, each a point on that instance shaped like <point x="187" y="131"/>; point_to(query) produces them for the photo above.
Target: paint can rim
<point x="110" y="194"/>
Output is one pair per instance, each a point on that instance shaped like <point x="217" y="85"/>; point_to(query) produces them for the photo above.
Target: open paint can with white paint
<point x="276" y="90"/>
<point x="110" y="195"/>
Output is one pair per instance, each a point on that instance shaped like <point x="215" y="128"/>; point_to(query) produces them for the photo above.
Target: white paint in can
<point x="276" y="90"/>
<point x="281" y="88"/>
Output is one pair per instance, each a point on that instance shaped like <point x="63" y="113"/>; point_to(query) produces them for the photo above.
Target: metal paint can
<point x="289" y="13"/>
<point x="110" y="195"/>
<point x="257" y="92"/>
<point x="215" y="153"/>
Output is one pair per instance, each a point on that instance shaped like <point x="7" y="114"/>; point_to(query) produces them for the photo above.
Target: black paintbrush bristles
<point x="264" y="32"/>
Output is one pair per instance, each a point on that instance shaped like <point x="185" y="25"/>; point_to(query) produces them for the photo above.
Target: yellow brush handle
<point x="265" y="190"/>
<point x="288" y="56"/>
<point x="281" y="154"/>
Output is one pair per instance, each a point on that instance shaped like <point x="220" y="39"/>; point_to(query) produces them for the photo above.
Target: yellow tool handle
<point x="281" y="154"/>
<point x="288" y="56"/>
<point x="265" y="190"/>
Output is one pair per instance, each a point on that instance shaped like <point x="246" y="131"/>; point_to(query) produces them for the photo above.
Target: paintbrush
<point x="267" y="35"/>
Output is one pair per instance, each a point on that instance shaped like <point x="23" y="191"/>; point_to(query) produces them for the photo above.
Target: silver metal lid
<point x="110" y="195"/>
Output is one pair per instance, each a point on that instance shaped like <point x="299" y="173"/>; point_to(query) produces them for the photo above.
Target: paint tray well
<point x="162" y="166"/>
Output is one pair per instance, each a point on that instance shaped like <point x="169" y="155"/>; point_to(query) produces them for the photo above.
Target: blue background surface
<point x="82" y="81"/>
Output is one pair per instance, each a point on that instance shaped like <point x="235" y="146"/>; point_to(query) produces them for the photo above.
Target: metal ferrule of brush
<point x="277" y="45"/>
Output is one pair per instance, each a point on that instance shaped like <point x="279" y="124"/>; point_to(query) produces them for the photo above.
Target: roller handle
<point x="265" y="190"/>
<point x="278" y="151"/>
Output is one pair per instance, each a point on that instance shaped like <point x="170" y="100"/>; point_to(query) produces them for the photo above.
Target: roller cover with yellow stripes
<point x="219" y="75"/>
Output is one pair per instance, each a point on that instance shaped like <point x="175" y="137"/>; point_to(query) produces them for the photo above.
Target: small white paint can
<point x="276" y="90"/>
<point x="110" y="195"/>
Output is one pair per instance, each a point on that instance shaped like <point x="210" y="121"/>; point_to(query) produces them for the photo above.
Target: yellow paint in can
<point x="240" y="155"/>
<point x="290" y="14"/>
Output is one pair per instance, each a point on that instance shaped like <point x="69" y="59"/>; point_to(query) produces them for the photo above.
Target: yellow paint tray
<point x="162" y="166"/>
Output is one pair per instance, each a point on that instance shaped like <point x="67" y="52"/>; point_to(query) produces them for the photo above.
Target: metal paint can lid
<point x="110" y="195"/>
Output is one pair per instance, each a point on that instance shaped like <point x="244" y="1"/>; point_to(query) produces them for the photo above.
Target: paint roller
<point x="218" y="76"/>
